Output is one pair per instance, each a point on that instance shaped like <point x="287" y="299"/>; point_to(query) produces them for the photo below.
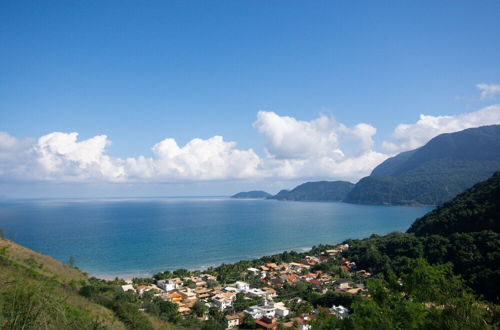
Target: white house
<point x="242" y="286"/>
<point x="128" y="287"/>
<point x="253" y="271"/>
<point x="256" y="312"/>
<point x="166" y="285"/>
<point x="281" y="310"/>
<point x="256" y="293"/>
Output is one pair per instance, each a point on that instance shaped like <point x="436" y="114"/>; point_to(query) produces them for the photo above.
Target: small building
<point x="242" y="286"/>
<point x="166" y="285"/>
<point x="266" y="322"/>
<point x="253" y="271"/>
<point x="234" y="320"/>
<point x="128" y="287"/>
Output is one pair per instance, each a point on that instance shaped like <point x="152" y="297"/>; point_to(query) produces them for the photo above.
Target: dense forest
<point x="462" y="232"/>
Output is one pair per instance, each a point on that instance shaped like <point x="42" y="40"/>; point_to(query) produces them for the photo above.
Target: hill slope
<point x="40" y="292"/>
<point x="463" y="232"/>
<point x="434" y="173"/>
<point x="316" y="191"/>
<point x="476" y="209"/>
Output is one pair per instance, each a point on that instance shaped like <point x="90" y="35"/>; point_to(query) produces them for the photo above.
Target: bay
<point x="139" y="237"/>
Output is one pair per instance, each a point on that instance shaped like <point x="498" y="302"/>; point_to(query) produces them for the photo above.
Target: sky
<point x="168" y="98"/>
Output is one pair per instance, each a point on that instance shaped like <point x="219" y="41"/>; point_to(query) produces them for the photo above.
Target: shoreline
<point x="139" y="274"/>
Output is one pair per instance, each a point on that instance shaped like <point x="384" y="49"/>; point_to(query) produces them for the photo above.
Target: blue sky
<point x="143" y="71"/>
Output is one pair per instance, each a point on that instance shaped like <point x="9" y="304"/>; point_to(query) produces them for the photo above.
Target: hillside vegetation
<point x="463" y="232"/>
<point x="39" y="292"/>
<point x="316" y="191"/>
<point x="434" y="173"/>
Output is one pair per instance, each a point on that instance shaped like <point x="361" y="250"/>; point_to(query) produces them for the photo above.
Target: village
<point x="262" y="296"/>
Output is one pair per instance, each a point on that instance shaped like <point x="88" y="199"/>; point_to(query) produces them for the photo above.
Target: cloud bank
<point x="320" y="148"/>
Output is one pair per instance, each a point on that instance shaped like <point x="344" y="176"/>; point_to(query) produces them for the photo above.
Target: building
<point x="266" y="323"/>
<point x="257" y="312"/>
<point x="128" y="287"/>
<point x="166" y="285"/>
<point x="234" y="320"/>
<point x="281" y="310"/>
<point x="242" y="286"/>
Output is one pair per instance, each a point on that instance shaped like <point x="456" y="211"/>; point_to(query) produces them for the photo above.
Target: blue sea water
<point x="138" y="237"/>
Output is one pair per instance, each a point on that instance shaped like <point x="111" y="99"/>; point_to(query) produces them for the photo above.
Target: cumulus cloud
<point x="61" y="156"/>
<point x="488" y="91"/>
<point x="319" y="148"/>
<point x="288" y="138"/>
<point x="210" y="159"/>
<point x="411" y="136"/>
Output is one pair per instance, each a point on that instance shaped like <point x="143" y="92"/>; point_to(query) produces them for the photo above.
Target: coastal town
<point x="264" y="296"/>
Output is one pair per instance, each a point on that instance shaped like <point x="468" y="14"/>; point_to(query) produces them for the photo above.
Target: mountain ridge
<point x="434" y="173"/>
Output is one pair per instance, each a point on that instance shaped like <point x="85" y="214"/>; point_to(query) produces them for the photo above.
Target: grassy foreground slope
<point x="37" y="291"/>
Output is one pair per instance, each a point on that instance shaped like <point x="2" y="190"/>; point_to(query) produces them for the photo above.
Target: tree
<point x="199" y="308"/>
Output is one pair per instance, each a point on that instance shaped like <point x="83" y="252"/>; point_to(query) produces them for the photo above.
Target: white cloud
<point x="411" y="136"/>
<point x="288" y="138"/>
<point x="61" y="156"/>
<point x="488" y="91"/>
<point x="295" y="149"/>
<point x="210" y="159"/>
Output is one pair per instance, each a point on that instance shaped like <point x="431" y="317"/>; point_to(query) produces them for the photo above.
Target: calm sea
<point x="136" y="237"/>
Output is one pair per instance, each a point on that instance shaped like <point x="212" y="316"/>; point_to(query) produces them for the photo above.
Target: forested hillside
<point x="316" y="191"/>
<point x="434" y="173"/>
<point x="463" y="232"/>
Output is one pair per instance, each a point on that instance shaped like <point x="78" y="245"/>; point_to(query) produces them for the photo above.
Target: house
<point x="207" y="277"/>
<point x="339" y="311"/>
<point x="234" y="320"/>
<point x="266" y="322"/>
<point x="363" y="273"/>
<point x="281" y="310"/>
<point x="253" y="271"/>
<point x="256" y="293"/>
<point x="175" y="297"/>
<point x="257" y="312"/>
<point x="143" y="288"/>
<point x="303" y="321"/>
<point x="343" y="284"/>
<point x="223" y="300"/>
<point x="242" y="286"/>
<point x="128" y="287"/>
<point x="167" y="285"/>
<point x="270" y="293"/>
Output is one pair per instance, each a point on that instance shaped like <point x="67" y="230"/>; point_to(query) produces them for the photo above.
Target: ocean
<point x="142" y="236"/>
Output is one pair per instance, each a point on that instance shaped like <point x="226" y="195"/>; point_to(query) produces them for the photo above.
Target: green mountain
<point x="434" y="173"/>
<point x="463" y="232"/>
<point x="316" y="191"/>
<point x="476" y="209"/>
<point x="252" y="194"/>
